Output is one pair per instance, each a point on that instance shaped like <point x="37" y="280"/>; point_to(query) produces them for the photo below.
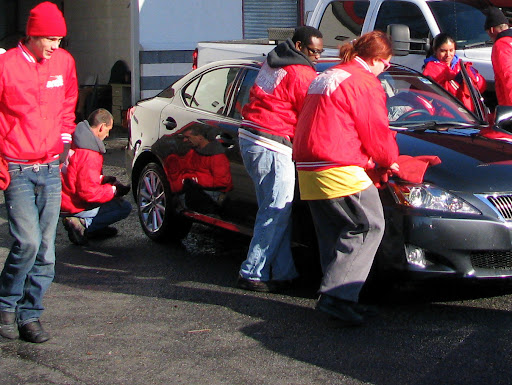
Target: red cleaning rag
<point x="411" y="169"/>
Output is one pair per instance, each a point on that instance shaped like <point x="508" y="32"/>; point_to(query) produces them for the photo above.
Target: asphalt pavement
<point x="127" y="310"/>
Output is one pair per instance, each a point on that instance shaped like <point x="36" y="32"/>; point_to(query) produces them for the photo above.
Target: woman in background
<point x="444" y="67"/>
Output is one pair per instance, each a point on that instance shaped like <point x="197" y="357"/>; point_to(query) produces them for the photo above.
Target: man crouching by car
<point x="91" y="201"/>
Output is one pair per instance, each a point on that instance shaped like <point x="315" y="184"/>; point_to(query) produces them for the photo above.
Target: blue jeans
<point x="33" y="205"/>
<point x="273" y="175"/>
<point x="106" y="214"/>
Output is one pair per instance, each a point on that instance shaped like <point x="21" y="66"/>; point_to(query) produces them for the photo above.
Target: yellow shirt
<point x="332" y="183"/>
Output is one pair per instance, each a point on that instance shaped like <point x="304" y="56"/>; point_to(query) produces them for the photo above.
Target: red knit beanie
<point x="46" y="19"/>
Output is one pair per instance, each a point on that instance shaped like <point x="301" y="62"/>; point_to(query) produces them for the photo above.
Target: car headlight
<point x="427" y="196"/>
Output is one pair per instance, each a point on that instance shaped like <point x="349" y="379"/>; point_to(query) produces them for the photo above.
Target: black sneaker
<point x="340" y="309"/>
<point x="255" y="285"/>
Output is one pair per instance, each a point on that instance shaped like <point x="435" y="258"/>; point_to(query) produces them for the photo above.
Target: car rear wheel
<point x="156" y="206"/>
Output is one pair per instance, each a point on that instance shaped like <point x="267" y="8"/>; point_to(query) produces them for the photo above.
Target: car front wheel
<point x="156" y="206"/>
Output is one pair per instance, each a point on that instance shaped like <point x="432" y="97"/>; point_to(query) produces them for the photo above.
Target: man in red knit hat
<point x="38" y="94"/>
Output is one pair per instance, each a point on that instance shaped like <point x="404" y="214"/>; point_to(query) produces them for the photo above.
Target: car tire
<point x="156" y="207"/>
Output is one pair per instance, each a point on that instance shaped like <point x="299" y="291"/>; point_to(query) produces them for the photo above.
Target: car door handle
<point x="170" y="123"/>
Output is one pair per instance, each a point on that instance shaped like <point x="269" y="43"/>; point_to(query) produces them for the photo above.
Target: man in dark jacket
<point x="91" y="200"/>
<point x="266" y="136"/>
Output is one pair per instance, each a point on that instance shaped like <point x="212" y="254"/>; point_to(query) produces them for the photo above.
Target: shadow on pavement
<point x="412" y="341"/>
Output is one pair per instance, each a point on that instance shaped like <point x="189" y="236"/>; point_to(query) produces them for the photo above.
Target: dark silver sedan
<point x="185" y="166"/>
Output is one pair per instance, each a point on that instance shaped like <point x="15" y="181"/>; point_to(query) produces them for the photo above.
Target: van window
<point x="398" y="12"/>
<point x="343" y="20"/>
<point x="464" y="22"/>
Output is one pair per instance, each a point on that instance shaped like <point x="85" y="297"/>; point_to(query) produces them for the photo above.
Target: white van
<point x="415" y="22"/>
<point x="412" y="24"/>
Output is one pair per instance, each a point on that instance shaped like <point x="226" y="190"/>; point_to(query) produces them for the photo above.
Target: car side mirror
<point x="401" y="40"/>
<point x="503" y="119"/>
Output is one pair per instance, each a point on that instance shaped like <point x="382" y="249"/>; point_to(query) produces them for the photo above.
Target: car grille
<point x="502" y="203"/>
<point x="496" y="260"/>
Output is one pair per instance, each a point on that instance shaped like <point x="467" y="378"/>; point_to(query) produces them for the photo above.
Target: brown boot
<point x="76" y="230"/>
<point x="33" y="332"/>
<point x="8" y="325"/>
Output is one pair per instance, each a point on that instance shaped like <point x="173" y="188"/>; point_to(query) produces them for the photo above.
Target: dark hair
<point x="441" y="39"/>
<point x="196" y="129"/>
<point x="305" y="34"/>
<point x="99" y="116"/>
<point x="371" y="45"/>
<point x="438" y="41"/>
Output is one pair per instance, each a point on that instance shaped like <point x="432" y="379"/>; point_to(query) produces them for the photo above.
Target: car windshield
<point x="465" y="22"/>
<point x="415" y="102"/>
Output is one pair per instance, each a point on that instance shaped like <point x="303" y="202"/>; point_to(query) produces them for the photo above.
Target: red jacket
<point x="278" y="93"/>
<point x="37" y="105"/>
<point x="209" y="169"/>
<point x="502" y="63"/>
<point x="344" y="121"/>
<point x="82" y="177"/>
<point x="450" y="79"/>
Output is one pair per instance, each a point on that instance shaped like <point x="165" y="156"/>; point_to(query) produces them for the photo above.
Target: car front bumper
<point x="466" y="248"/>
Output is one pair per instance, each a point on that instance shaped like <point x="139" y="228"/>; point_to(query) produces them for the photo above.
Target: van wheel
<point x="157" y="208"/>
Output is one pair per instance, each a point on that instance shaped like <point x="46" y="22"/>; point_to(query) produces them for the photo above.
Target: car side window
<point x="211" y="91"/>
<point x="189" y="93"/>
<point x="342" y="20"/>
<point x="399" y="12"/>
<point x="243" y="93"/>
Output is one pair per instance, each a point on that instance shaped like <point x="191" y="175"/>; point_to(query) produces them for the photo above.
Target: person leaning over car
<point x="496" y="26"/>
<point x="265" y="139"/>
<point x="91" y="201"/>
<point x="38" y="94"/>
<point x="444" y="67"/>
<point x="338" y="133"/>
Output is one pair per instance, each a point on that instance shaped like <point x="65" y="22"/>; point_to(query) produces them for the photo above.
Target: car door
<point x="213" y="101"/>
<point x="242" y="206"/>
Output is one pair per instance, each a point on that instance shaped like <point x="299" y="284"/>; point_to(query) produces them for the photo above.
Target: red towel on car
<point x="412" y="169"/>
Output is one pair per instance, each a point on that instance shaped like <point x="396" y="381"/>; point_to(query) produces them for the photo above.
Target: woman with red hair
<point x="342" y="126"/>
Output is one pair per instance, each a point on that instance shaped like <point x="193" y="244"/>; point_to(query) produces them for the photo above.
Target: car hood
<point x="469" y="162"/>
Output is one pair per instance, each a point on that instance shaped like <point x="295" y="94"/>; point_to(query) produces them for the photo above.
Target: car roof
<point x="231" y="62"/>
